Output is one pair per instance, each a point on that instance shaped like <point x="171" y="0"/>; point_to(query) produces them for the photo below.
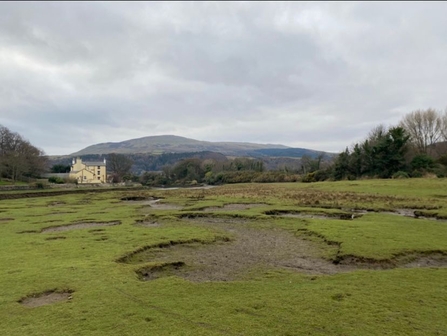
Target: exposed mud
<point x="411" y="213"/>
<point x="133" y="198"/>
<point x="145" y="253"/>
<point x="6" y="219"/>
<point x="432" y="260"/>
<point x="408" y="260"/>
<point x="56" y="203"/>
<point x="46" y="298"/>
<point x="76" y="226"/>
<point x="155" y="204"/>
<point x="227" y="261"/>
<point x="152" y="203"/>
<point x="147" y="223"/>
<point x="157" y="271"/>
<point x="357" y="213"/>
<point x="56" y="238"/>
<point x="310" y="215"/>
<point x="252" y="248"/>
<point x="233" y="207"/>
<point x="58" y="213"/>
<point x="27" y="231"/>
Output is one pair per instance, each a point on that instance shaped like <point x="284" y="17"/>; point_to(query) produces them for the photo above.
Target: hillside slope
<point x="172" y="144"/>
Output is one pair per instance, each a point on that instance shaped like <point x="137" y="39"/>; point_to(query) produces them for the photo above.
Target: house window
<point x="99" y="173"/>
<point x="99" y="167"/>
<point x="99" y="178"/>
<point x="85" y="177"/>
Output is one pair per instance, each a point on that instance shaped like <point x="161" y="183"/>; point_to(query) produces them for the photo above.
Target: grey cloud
<point x="301" y="74"/>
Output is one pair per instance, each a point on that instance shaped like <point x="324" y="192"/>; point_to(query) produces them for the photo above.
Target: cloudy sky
<point x="310" y="75"/>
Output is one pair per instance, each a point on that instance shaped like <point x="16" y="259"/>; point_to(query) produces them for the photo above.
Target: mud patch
<point x="76" y="226"/>
<point x="432" y="260"/>
<point x="102" y="238"/>
<point x="96" y="230"/>
<point x="310" y="215"/>
<point x="27" y="231"/>
<point x="408" y="260"/>
<point x="234" y="207"/>
<point x="155" y="204"/>
<point x="147" y="223"/>
<point x="6" y="219"/>
<point x="55" y="238"/>
<point x="133" y="198"/>
<point x="145" y="253"/>
<point x="250" y="248"/>
<point x="46" y="298"/>
<point x="157" y="271"/>
<point x="411" y="213"/>
<point x="56" y="203"/>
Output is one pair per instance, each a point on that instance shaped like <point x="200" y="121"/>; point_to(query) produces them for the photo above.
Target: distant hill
<point x="173" y="144"/>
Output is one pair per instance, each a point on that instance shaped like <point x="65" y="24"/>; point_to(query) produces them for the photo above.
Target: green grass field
<point x="332" y="258"/>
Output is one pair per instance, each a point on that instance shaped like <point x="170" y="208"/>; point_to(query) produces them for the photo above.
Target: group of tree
<point x="413" y="148"/>
<point x="238" y="170"/>
<point x="19" y="160"/>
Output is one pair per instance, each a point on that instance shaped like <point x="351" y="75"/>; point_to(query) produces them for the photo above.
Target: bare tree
<point x="18" y="158"/>
<point x="425" y="128"/>
<point x="444" y="125"/>
<point x="119" y="165"/>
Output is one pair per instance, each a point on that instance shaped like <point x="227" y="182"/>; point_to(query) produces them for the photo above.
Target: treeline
<point x="414" y="148"/>
<point x="194" y="171"/>
<point x="200" y="167"/>
<point x="19" y="160"/>
<point x="143" y="162"/>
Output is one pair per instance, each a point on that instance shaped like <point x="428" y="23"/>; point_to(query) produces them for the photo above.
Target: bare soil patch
<point x="227" y="261"/>
<point x="157" y="271"/>
<point x="310" y="215"/>
<point x="76" y="226"/>
<point x="250" y="248"/>
<point x="154" y="203"/>
<point x="431" y="260"/>
<point x="6" y="219"/>
<point x="56" y="203"/>
<point x="134" y="198"/>
<point x="46" y="298"/>
<point x="412" y="213"/>
<point x="407" y="260"/>
<point x="233" y="207"/>
<point x="27" y="231"/>
<point x="53" y="214"/>
<point x="55" y="238"/>
<point x="147" y="223"/>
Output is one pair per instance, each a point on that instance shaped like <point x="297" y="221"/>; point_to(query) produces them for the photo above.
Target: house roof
<point x="94" y="163"/>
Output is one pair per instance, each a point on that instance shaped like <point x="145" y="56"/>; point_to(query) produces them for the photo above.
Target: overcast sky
<point x="313" y="75"/>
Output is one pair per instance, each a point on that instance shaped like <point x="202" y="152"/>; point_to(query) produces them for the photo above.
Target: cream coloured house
<point x="88" y="172"/>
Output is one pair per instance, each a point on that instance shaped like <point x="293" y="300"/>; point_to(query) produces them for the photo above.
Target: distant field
<point x="334" y="258"/>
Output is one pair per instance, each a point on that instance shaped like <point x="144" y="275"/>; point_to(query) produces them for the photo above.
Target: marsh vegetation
<point x="354" y="257"/>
